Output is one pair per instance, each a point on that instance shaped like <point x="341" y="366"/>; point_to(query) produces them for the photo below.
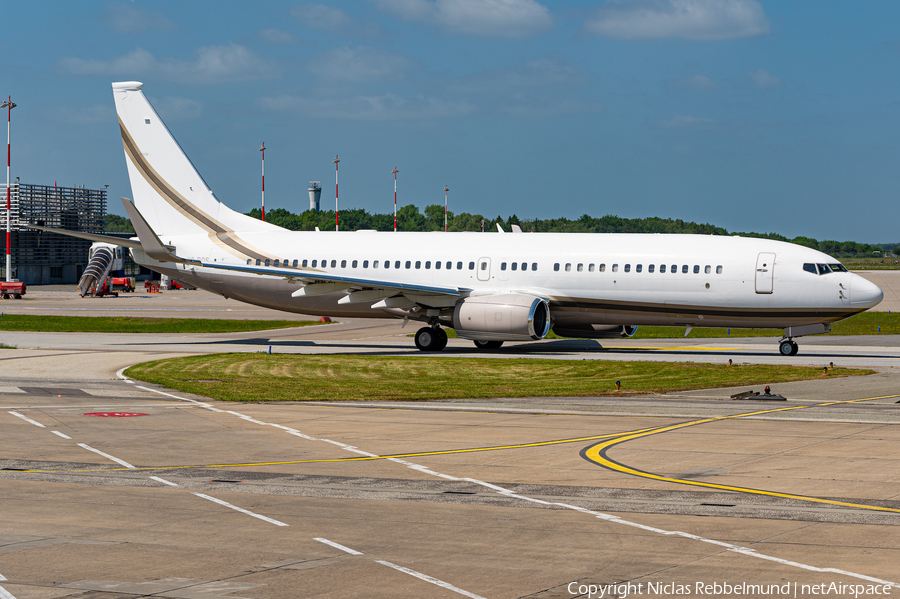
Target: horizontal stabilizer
<point x="129" y="243"/>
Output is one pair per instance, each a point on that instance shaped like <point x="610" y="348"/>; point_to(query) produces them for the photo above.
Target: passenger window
<point x="397" y="264"/>
<point x="684" y="268"/>
<point x="365" y="264"/>
<point x="556" y="266"/>
<point x="514" y="265"/>
<point x="627" y="268"/>
<point x="590" y="268"/>
<point x="718" y="270"/>
<point x="534" y="266"/>
<point x="304" y="264"/>
<point x="375" y="264"/>
<point x="295" y="264"/>
<point x="314" y="262"/>
<point x="258" y="261"/>
<point x="267" y="262"/>
<point x="662" y="268"/>
<point x="471" y="266"/>
<point x="615" y="268"/>
<point x="333" y="263"/>
<point x="275" y="263"/>
<point x="355" y="263"/>
<point x="568" y="266"/>
<point x="707" y="269"/>
<point x="674" y="269"/>
<point x="343" y="264"/>
<point x="650" y="267"/>
<point x="602" y="268"/>
<point x="450" y="265"/>
<point x="418" y="264"/>
<point x="502" y="266"/>
<point x="580" y="267"/>
<point x="458" y="265"/>
<point x="696" y="269"/>
<point x="408" y="263"/>
<point x="437" y="264"/>
<point x="387" y="263"/>
<point x="248" y="260"/>
<point x="484" y="266"/>
<point x="638" y="268"/>
<point x="427" y="265"/>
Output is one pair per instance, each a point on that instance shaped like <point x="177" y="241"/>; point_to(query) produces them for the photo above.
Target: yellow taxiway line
<point x="597" y="454"/>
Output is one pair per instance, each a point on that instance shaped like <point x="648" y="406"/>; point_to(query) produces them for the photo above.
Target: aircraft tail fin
<point x="169" y="192"/>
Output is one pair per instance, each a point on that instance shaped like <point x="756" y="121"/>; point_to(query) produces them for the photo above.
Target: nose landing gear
<point x="788" y="347"/>
<point x="431" y="339"/>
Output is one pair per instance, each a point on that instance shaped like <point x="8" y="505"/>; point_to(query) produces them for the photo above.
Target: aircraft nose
<point x="864" y="294"/>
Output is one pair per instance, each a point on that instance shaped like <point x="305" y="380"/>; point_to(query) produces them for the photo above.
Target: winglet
<point x="150" y="243"/>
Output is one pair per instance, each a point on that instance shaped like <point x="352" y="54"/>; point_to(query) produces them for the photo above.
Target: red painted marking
<point x="114" y="414"/>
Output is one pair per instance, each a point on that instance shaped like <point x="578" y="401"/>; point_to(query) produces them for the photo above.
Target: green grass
<point x="871" y="263"/>
<point x="127" y="324"/>
<point x="261" y="377"/>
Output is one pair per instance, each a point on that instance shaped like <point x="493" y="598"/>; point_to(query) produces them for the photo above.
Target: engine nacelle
<point x="596" y="331"/>
<point x="506" y="317"/>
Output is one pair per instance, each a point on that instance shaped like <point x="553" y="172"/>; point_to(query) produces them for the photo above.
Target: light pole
<point x="446" y="189"/>
<point x="262" y="149"/>
<point x="8" y="104"/>
<point x="336" y="222"/>
<point x="395" y="171"/>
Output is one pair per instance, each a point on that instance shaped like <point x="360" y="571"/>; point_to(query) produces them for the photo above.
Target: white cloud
<point x="685" y="121"/>
<point x="487" y="18"/>
<point x="687" y="19"/>
<point x="380" y="107"/>
<point x="359" y="64"/>
<point x="332" y="20"/>
<point x="211" y="64"/>
<point x="128" y="19"/>
<point x="695" y="82"/>
<point x="764" y="78"/>
<point x="277" y="36"/>
<point x="176" y="108"/>
<point x="543" y="108"/>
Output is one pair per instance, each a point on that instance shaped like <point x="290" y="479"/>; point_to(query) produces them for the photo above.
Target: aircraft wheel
<point x="788" y="348"/>
<point x="428" y="339"/>
<point x="488" y="344"/>
<point x="442" y="339"/>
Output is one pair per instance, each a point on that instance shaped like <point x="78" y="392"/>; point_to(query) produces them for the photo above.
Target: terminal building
<point x="40" y="258"/>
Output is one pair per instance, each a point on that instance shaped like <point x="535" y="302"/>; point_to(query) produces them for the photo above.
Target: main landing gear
<point x="431" y="339"/>
<point x="788" y="347"/>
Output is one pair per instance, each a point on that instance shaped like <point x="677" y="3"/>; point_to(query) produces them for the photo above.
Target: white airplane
<point x="489" y="288"/>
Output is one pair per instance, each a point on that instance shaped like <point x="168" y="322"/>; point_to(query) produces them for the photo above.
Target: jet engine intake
<point x="596" y="331"/>
<point x="502" y="317"/>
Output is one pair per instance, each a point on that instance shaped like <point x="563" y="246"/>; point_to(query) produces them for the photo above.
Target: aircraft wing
<point x="131" y="243"/>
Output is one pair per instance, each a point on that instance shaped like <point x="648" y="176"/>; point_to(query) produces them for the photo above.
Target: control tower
<point x="315" y="194"/>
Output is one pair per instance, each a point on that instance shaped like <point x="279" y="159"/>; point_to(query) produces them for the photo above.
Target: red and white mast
<point x="395" y="171"/>
<point x="9" y="105"/>
<point x="446" y="189"/>
<point x="262" y="149"/>
<point x="336" y="222"/>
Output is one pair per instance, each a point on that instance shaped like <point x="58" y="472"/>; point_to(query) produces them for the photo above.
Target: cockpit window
<point x="838" y="268"/>
<point x="823" y="269"/>
<point x="810" y="268"/>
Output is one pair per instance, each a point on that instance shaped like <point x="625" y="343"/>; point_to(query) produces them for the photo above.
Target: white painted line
<point x="163" y="481"/>
<point x="59" y="434"/>
<point x="121" y="374"/>
<point x="106" y="455"/>
<point x="430" y="579"/>
<point x="239" y="509"/>
<point x="339" y="546"/>
<point x="2" y="577"/>
<point x="27" y="419"/>
<point x="4" y="594"/>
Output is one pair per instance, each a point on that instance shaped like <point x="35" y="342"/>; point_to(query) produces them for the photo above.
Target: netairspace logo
<point x="721" y="589"/>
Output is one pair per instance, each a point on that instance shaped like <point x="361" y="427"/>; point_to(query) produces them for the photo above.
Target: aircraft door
<point x="765" y="271"/>
<point x="483" y="269"/>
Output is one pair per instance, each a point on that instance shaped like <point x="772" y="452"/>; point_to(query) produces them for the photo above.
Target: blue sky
<point x="758" y="116"/>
